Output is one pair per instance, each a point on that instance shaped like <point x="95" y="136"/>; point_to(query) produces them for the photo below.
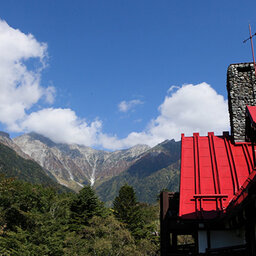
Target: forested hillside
<point x="13" y="165"/>
<point x="39" y="221"/>
<point x="156" y="170"/>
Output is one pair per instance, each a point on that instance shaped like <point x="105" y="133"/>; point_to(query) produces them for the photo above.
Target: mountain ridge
<point x="156" y="170"/>
<point x="12" y="165"/>
<point x="148" y="170"/>
<point x="75" y="165"/>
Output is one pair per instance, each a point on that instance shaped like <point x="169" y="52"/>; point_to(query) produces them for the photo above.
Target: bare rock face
<point x="7" y="141"/>
<point x="75" y="165"/>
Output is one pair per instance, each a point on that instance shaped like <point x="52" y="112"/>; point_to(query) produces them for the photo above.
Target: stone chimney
<point x="241" y="88"/>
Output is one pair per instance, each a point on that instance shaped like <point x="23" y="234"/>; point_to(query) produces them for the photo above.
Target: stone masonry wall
<point x="241" y="88"/>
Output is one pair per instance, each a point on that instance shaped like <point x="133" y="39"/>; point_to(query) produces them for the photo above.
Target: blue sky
<point x="108" y="66"/>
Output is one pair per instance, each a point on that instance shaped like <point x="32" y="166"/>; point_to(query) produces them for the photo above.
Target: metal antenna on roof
<point x="253" y="137"/>
<point x="251" y="36"/>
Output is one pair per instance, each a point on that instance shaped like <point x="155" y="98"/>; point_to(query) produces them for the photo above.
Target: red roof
<point x="213" y="170"/>
<point x="251" y="111"/>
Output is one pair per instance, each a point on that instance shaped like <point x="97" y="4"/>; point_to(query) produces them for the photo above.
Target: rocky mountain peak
<point x="76" y="165"/>
<point x="72" y="165"/>
<point x="41" y="138"/>
<point x="5" y="134"/>
<point x="7" y="141"/>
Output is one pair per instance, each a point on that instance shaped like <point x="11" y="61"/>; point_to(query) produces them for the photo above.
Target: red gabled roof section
<point x="251" y="111"/>
<point x="213" y="169"/>
<point x="242" y="194"/>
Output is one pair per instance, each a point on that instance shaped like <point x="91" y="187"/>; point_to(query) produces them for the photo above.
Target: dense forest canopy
<point x="37" y="220"/>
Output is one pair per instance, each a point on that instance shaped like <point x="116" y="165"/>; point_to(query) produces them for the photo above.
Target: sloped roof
<point x="213" y="170"/>
<point x="251" y="111"/>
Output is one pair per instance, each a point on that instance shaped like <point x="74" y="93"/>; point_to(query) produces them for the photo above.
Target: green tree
<point x="31" y="220"/>
<point x="35" y="220"/>
<point x="103" y="236"/>
<point x="85" y="205"/>
<point x="127" y="210"/>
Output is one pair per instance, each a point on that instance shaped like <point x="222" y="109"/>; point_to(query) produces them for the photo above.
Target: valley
<point x="148" y="170"/>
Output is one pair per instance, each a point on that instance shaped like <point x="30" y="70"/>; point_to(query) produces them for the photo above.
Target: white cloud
<point x="172" y="88"/>
<point x="125" y="106"/>
<point x="50" y="94"/>
<point x="186" y="109"/>
<point x="62" y="125"/>
<point x="20" y="88"/>
<point x="191" y="108"/>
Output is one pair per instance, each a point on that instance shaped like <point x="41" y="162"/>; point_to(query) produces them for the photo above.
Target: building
<point x="215" y="211"/>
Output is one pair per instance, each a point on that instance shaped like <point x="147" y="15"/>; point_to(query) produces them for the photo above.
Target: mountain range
<point x="148" y="170"/>
<point x="158" y="168"/>
<point x="16" y="164"/>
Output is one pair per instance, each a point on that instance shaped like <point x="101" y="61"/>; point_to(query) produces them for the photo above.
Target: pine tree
<point x="86" y="205"/>
<point x="127" y="210"/>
